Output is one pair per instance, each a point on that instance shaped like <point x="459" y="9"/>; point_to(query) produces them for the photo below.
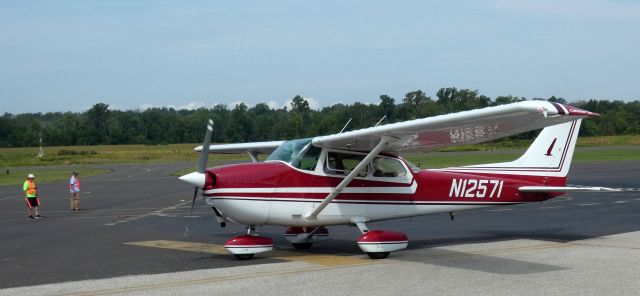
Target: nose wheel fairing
<point x="245" y="246"/>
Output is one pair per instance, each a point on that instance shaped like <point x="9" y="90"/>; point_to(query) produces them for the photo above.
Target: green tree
<point x="300" y="109"/>
<point x="240" y="124"/>
<point x="95" y="125"/>
<point x="388" y="107"/>
<point x="557" y="100"/>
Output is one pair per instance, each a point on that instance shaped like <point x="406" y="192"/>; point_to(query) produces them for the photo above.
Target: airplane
<point x="357" y="177"/>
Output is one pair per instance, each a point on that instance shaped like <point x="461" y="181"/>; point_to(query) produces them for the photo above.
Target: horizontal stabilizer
<point x="563" y="189"/>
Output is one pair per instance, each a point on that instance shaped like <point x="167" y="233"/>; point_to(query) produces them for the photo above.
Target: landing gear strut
<point x="303" y="238"/>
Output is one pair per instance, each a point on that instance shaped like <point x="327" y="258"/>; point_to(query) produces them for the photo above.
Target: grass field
<point x="581" y="155"/>
<point x="523" y="144"/>
<point x="102" y="154"/>
<point x="45" y="175"/>
<point x="107" y="154"/>
<point x="590" y="149"/>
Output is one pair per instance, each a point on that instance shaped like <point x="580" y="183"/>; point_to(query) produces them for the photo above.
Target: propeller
<point x="204" y="158"/>
<point x="198" y="178"/>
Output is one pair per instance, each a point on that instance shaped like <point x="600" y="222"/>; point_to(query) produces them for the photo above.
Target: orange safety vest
<point x="31" y="190"/>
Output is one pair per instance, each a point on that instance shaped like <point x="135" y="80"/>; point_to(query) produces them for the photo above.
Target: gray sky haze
<point x="70" y="54"/>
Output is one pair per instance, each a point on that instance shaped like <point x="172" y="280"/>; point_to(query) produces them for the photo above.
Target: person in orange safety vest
<point x="31" y="196"/>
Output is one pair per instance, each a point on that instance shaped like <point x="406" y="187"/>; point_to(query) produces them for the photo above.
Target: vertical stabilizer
<point x="550" y="154"/>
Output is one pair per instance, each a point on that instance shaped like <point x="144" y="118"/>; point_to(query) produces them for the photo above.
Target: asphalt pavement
<point x="136" y="222"/>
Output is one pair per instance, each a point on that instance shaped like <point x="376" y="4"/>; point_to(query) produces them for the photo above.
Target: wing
<point x="467" y="127"/>
<point x="254" y="147"/>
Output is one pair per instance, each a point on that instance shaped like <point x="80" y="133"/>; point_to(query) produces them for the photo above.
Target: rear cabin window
<point x="387" y="167"/>
<point x="342" y="163"/>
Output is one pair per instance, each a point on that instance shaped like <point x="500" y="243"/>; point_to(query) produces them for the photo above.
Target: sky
<point x="68" y="55"/>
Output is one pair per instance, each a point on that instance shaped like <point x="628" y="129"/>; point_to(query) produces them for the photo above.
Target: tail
<point x="550" y="154"/>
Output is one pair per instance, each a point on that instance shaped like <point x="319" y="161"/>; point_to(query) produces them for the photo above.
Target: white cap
<point x="31" y="176"/>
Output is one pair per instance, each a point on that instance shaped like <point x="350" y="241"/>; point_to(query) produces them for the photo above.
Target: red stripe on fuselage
<point x="431" y="186"/>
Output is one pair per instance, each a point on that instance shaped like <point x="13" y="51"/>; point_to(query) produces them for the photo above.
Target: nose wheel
<point x="242" y="257"/>
<point x="378" y="255"/>
<point x="244" y="247"/>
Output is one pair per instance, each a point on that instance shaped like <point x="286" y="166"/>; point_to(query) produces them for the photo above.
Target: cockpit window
<point x="289" y="150"/>
<point x="308" y="158"/>
<point x="299" y="153"/>
<point x="414" y="168"/>
<point x="387" y="167"/>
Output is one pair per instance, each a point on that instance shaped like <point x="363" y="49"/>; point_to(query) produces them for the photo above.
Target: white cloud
<point x="191" y="106"/>
<point x="147" y="106"/>
<point x="313" y="103"/>
<point x="590" y="9"/>
<point x="188" y="106"/>
<point x="273" y="104"/>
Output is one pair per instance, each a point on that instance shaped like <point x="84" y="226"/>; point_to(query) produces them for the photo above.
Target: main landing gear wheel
<point x="302" y="246"/>
<point x="245" y="256"/>
<point x="378" y="255"/>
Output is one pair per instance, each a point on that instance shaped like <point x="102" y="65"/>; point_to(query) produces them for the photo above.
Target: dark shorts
<point x="32" y="202"/>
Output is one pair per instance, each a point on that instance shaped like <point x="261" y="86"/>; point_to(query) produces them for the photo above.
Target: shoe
<point x="31" y="217"/>
<point x="39" y="217"/>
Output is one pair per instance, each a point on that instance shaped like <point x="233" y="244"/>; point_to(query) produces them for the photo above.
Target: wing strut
<point x="253" y="155"/>
<point x="376" y="150"/>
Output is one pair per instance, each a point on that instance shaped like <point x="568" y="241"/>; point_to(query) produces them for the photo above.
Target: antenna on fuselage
<point x="345" y="126"/>
<point x="381" y="119"/>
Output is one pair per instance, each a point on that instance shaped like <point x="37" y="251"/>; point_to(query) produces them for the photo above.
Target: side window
<point x="343" y="163"/>
<point x="387" y="167"/>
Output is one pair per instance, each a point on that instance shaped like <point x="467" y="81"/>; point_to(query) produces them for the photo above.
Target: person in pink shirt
<point x="74" y="189"/>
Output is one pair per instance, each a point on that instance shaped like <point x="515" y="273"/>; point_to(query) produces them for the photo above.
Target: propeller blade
<point x="198" y="178"/>
<point x="204" y="155"/>
<point x="193" y="202"/>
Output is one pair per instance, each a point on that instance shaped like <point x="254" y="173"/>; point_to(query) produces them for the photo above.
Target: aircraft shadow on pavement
<point x="477" y="262"/>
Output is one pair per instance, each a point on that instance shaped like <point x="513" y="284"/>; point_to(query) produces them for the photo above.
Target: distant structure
<point x="40" y="152"/>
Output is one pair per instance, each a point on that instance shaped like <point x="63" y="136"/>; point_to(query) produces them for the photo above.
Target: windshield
<point x="289" y="150"/>
<point x="414" y="168"/>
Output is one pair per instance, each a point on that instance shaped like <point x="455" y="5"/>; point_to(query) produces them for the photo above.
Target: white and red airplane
<point x="356" y="177"/>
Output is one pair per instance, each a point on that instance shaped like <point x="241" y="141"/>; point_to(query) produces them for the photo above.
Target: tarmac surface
<point x="134" y="235"/>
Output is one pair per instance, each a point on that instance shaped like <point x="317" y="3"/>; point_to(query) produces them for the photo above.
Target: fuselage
<point x="281" y="193"/>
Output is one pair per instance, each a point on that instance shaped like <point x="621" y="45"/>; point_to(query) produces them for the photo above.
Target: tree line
<point x="101" y="125"/>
